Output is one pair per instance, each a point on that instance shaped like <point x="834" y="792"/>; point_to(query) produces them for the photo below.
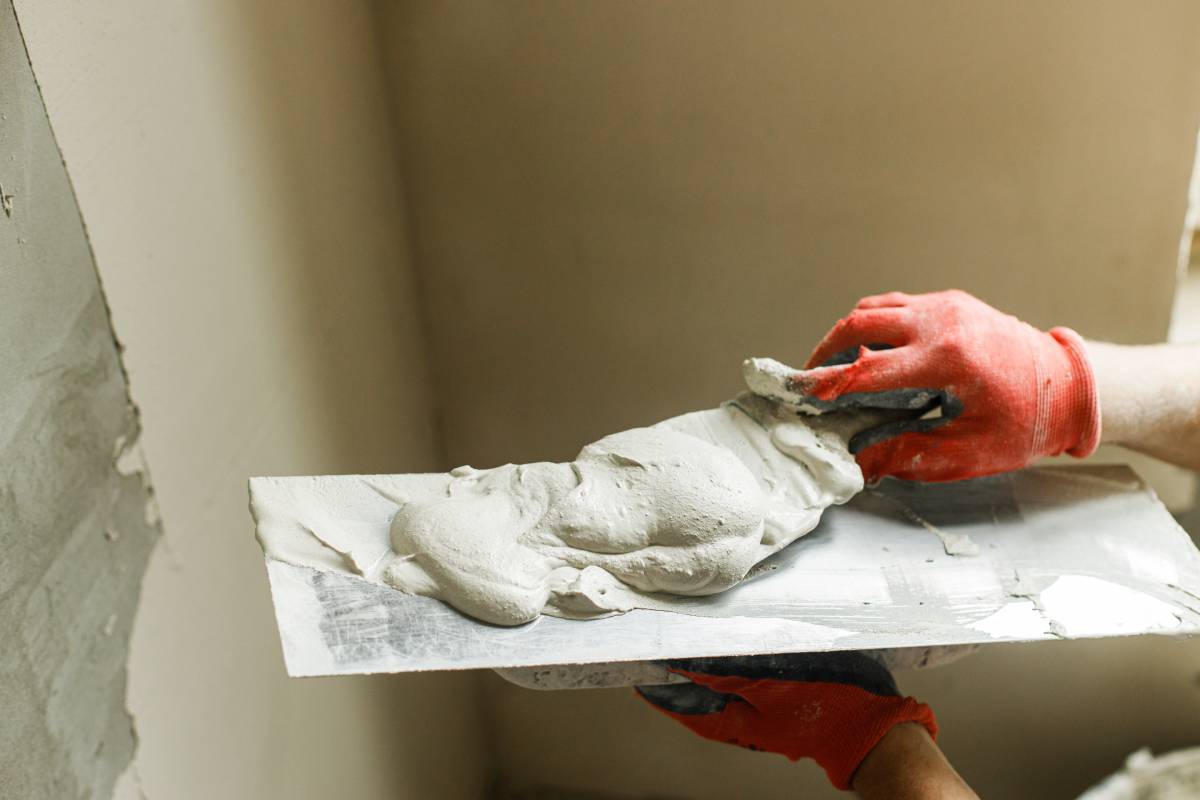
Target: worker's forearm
<point x="1150" y="398"/>
<point x="907" y="765"/>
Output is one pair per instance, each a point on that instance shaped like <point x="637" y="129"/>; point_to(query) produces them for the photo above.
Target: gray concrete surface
<point x="76" y="517"/>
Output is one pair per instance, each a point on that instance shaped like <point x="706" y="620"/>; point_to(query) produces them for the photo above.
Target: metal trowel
<point x="915" y="573"/>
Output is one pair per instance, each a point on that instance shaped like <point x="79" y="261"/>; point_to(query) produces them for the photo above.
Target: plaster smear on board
<point x="686" y="507"/>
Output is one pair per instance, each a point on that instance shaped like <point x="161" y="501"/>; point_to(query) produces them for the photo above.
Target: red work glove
<point x="1007" y="393"/>
<point x="830" y="707"/>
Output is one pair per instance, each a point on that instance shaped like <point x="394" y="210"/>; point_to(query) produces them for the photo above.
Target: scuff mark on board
<point x="954" y="544"/>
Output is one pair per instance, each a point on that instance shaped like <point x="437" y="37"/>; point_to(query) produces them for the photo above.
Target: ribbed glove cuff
<point x="1068" y="403"/>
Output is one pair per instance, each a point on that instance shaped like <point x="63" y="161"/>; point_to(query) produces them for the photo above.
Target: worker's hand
<point x="988" y="393"/>
<point x="830" y="707"/>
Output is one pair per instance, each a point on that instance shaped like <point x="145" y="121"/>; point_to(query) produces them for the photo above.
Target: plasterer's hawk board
<point x="1064" y="552"/>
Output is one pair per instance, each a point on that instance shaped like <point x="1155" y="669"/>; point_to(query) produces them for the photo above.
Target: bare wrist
<point x="906" y="764"/>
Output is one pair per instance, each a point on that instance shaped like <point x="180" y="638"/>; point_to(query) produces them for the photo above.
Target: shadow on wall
<point x="328" y="124"/>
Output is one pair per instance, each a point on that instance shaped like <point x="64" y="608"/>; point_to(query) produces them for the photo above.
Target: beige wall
<point x="613" y="203"/>
<point x="616" y="202"/>
<point x="233" y="164"/>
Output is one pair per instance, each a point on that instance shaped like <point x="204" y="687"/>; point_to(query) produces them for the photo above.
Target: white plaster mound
<point x="682" y="508"/>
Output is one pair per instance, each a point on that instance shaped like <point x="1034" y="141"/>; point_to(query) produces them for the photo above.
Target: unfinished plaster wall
<point x="613" y="203"/>
<point x="233" y="163"/>
<point x="76" y="524"/>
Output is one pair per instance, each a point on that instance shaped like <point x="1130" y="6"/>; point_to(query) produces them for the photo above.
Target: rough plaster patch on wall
<point x="76" y="527"/>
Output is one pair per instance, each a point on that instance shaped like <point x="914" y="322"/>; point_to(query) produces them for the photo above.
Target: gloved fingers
<point x="723" y="684"/>
<point x="829" y="388"/>
<point x="872" y="328"/>
<point x="746" y="695"/>
<point x="736" y="724"/>
<point x="897" y="457"/>
<point x="751" y="673"/>
<point x="749" y="695"/>
<point x="685" y="698"/>
<point x="940" y="455"/>
<point x="938" y="410"/>
<point x="775" y="666"/>
<point x="896" y="378"/>
<point x="886" y="300"/>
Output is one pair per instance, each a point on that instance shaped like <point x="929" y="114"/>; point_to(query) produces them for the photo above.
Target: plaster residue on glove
<point x="686" y="507"/>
